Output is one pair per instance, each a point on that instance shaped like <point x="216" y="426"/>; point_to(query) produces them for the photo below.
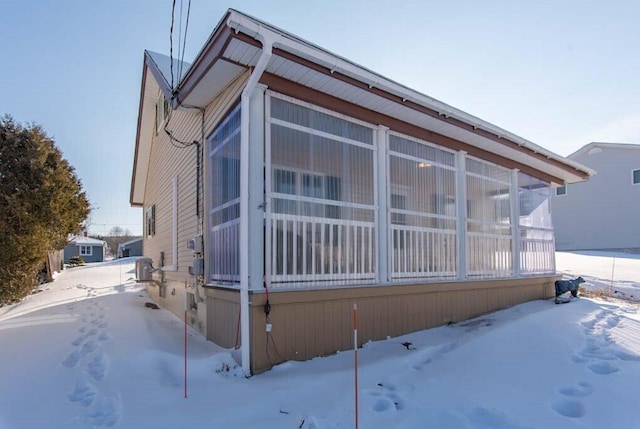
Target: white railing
<point x="225" y="254"/>
<point x="537" y="254"/>
<point x="417" y="252"/>
<point x="489" y="255"/>
<point x="305" y="249"/>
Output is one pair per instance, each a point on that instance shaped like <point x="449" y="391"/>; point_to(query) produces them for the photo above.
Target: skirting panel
<point x="311" y="323"/>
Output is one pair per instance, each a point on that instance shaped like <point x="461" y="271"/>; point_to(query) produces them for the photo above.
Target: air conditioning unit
<point x="144" y="268"/>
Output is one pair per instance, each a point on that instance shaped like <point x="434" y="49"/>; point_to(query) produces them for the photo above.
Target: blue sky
<point x="559" y="73"/>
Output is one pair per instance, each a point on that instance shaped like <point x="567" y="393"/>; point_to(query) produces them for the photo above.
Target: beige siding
<point x="307" y="324"/>
<point x="166" y="162"/>
<point x="223" y="306"/>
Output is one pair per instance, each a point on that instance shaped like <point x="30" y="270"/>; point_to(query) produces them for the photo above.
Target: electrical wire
<point x="184" y="41"/>
<point x="179" y="43"/>
<point x="173" y="13"/>
<point x="270" y="340"/>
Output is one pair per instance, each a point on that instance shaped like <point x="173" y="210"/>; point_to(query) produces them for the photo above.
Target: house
<point x="130" y="248"/>
<point x="90" y="249"/>
<point x="602" y="213"/>
<point x="282" y="184"/>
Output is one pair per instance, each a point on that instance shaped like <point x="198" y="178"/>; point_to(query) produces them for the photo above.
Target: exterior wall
<point x="223" y="307"/>
<point x="603" y="212"/>
<point x="133" y="249"/>
<point x="311" y="323"/>
<point x="71" y="250"/>
<point x="168" y="161"/>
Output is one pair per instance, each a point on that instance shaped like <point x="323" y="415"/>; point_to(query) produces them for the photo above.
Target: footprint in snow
<point x="73" y="359"/>
<point x="105" y="411"/>
<point x="427" y="356"/>
<point x="569" y="408"/>
<point x="385" y="398"/>
<point x="583" y="389"/>
<point x="97" y="367"/>
<point x="84" y="392"/>
<point x="88" y="347"/>
<point x="602" y="368"/>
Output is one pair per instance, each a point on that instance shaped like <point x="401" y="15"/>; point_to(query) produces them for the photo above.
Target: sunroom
<point x="351" y="203"/>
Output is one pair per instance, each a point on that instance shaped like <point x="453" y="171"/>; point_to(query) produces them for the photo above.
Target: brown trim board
<point x="330" y="102"/>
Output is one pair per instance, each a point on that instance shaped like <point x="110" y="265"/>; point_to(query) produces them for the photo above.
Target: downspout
<point x="261" y="65"/>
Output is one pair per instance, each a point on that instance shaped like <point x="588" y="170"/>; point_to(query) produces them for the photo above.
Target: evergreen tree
<point x="41" y="203"/>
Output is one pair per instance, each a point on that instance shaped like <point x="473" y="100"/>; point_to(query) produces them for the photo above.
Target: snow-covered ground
<point x="86" y="353"/>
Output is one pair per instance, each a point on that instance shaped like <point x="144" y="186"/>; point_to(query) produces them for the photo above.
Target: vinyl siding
<point x="603" y="212"/>
<point x="166" y="162"/>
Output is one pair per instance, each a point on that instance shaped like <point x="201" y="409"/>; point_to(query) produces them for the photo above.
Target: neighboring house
<point x="604" y="212"/>
<point x="130" y="248"/>
<point x="297" y="177"/>
<point x="90" y="249"/>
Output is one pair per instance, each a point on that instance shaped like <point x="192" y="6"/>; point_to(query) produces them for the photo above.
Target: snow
<point x="85" y="352"/>
<point x="81" y="240"/>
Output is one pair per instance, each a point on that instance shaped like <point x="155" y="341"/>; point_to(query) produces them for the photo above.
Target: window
<point x="489" y="220"/>
<point x="321" y="207"/>
<point x="162" y="111"/>
<point x="422" y="210"/>
<point x="86" y="250"/>
<point x="150" y="220"/>
<point x="561" y="190"/>
<point x="223" y="209"/>
<point x="636" y="177"/>
<point x="399" y="202"/>
<point x="306" y="185"/>
<point x="535" y="229"/>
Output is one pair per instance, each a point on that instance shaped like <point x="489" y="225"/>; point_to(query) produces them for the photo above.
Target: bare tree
<point x="116" y="236"/>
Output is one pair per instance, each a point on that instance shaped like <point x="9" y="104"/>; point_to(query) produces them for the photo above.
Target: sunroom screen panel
<point x="489" y="220"/>
<point x="422" y="207"/>
<point x="224" y="200"/>
<point x="537" y="245"/>
<point x="321" y="200"/>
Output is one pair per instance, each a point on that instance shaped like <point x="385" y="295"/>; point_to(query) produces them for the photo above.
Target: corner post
<point x="515" y="222"/>
<point x="382" y="144"/>
<point x="461" y="212"/>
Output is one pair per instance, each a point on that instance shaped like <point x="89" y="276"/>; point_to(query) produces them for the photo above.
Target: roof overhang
<point x="234" y="47"/>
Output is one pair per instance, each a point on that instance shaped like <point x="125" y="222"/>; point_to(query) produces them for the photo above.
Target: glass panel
<point x="320" y="121"/>
<point x="489" y="220"/>
<point x="537" y="248"/>
<point x="224" y="199"/>
<point x="322" y="197"/>
<point x="423" y="218"/>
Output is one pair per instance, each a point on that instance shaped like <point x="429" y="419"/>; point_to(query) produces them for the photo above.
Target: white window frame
<point x="565" y="187"/>
<point x="82" y="250"/>
<point x="302" y="280"/>
<point x="162" y="111"/>
<point x="150" y="221"/>
<point x="414" y="236"/>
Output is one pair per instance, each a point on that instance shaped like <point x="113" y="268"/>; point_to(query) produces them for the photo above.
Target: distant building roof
<point x="128" y="243"/>
<point x="80" y="240"/>
<point x="586" y="148"/>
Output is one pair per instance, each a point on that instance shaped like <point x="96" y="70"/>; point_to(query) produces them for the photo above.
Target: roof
<point x="80" y="240"/>
<point x="586" y="148"/>
<point x="128" y="243"/>
<point x="235" y="47"/>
